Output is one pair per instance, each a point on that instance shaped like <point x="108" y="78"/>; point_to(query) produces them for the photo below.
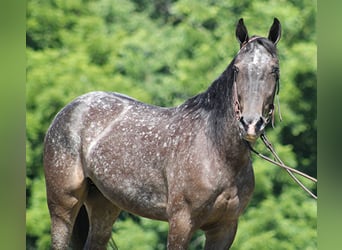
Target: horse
<point x="188" y="165"/>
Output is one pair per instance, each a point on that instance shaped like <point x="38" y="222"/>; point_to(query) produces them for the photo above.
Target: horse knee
<point x="60" y="232"/>
<point x="181" y="229"/>
<point x="63" y="212"/>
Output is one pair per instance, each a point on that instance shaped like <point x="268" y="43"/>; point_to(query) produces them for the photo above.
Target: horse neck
<point x="223" y="128"/>
<point x="220" y="96"/>
<point x="217" y="108"/>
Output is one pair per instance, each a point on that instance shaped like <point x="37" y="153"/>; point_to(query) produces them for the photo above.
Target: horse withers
<point x="188" y="165"/>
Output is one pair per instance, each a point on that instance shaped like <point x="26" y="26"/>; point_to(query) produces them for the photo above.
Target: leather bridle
<point x="270" y="116"/>
<point x="237" y="110"/>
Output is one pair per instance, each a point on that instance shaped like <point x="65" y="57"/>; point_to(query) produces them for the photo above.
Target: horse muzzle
<point x="251" y="127"/>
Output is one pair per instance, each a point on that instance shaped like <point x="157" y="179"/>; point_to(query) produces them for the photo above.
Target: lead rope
<point x="281" y="164"/>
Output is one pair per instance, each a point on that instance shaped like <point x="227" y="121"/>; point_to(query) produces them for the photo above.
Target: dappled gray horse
<point x="188" y="165"/>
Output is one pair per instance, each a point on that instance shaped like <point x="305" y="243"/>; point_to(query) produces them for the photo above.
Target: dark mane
<point x="216" y="96"/>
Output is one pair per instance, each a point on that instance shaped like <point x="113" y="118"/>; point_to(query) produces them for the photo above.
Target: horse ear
<point x="241" y="32"/>
<point x="275" y="31"/>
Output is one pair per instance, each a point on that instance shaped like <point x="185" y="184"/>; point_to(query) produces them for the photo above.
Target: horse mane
<point x="216" y="97"/>
<point x="219" y="92"/>
<point x="216" y="103"/>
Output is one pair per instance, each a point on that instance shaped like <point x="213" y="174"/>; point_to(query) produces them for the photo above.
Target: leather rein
<point x="280" y="163"/>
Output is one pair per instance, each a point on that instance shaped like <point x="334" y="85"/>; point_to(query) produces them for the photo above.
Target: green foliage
<point x="37" y="218"/>
<point x="128" y="233"/>
<point x="162" y="52"/>
<point x="279" y="223"/>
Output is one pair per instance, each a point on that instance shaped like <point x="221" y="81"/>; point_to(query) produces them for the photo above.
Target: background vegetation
<point x="162" y="52"/>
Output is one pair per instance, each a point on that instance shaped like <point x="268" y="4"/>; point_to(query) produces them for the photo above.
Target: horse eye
<point x="271" y="107"/>
<point x="275" y="72"/>
<point x="236" y="69"/>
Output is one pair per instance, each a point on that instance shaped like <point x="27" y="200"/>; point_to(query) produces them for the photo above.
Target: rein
<point x="281" y="164"/>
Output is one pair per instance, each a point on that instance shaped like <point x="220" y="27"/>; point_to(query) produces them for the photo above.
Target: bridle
<point x="270" y="117"/>
<point x="249" y="41"/>
<point x="237" y="110"/>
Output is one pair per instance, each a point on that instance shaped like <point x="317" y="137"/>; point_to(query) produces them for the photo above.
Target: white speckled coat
<point x="188" y="165"/>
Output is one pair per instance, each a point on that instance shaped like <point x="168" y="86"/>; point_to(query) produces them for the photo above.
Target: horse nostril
<point x="259" y="123"/>
<point x="248" y="123"/>
<point x="243" y="123"/>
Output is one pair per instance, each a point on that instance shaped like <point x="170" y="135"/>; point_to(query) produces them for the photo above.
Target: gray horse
<point x="187" y="165"/>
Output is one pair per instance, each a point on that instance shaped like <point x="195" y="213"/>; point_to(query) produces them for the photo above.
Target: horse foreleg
<point x="180" y="231"/>
<point x="102" y="215"/>
<point x="63" y="215"/>
<point x="64" y="198"/>
<point x="221" y="236"/>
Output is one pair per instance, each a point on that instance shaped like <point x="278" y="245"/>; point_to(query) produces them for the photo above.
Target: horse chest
<point x="233" y="199"/>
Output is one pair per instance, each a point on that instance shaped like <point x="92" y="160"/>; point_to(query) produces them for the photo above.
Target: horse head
<point x="256" y="77"/>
